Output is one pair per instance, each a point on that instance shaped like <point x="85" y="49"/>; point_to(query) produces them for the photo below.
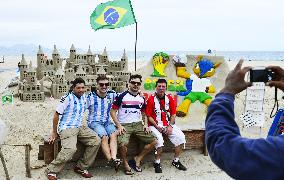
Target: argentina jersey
<point x="99" y="108"/>
<point x="71" y="110"/>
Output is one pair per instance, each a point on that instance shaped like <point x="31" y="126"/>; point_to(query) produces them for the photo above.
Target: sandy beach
<point x="27" y="122"/>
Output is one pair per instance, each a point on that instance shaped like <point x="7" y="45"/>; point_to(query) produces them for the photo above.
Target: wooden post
<point x="4" y="165"/>
<point x="27" y="160"/>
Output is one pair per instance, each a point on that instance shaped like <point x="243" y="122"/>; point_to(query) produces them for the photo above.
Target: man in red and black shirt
<point x="161" y="113"/>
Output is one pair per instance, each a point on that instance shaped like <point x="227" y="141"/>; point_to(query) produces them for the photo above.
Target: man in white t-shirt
<point x="126" y="113"/>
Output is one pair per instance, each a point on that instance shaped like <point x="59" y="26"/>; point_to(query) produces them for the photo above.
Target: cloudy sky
<point x="162" y="25"/>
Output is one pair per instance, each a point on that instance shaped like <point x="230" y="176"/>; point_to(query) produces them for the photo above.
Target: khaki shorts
<point x="136" y="129"/>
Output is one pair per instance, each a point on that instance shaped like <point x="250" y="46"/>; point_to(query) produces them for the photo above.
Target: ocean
<point x="228" y="55"/>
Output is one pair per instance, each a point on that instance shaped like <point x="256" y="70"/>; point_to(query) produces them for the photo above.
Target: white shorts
<point x="177" y="137"/>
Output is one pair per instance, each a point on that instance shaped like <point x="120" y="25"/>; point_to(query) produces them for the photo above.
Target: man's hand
<point x="121" y="130"/>
<point x="278" y="80"/>
<point x="235" y="82"/>
<point x="53" y="137"/>
<point x="146" y="129"/>
<point x="169" y="130"/>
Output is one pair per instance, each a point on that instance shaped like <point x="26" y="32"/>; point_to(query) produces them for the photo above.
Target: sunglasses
<point x="134" y="83"/>
<point x="103" y="84"/>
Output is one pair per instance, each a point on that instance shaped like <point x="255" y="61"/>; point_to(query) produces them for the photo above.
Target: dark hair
<point x="161" y="81"/>
<point x="134" y="76"/>
<point x="99" y="78"/>
<point x="75" y="82"/>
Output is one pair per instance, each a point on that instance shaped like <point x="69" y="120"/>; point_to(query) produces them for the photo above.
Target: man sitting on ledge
<point x="161" y="113"/>
<point x="68" y="117"/>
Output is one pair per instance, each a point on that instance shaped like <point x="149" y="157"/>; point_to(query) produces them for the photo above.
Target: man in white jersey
<point x="70" y="130"/>
<point x="99" y="103"/>
<point x="126" y="113"/>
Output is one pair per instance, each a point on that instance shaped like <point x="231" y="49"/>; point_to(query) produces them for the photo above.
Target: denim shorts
<point x="103" y="129"/>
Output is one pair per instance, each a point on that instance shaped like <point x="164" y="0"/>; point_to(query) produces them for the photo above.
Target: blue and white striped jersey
<point x="99" y="108"/>
<point x="71" y="110"/>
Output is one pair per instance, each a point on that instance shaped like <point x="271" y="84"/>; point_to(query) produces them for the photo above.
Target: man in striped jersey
<point x="67" y="122"/>
<point x="161" y="113"/>
<point x="99" y="103"/>
<point x="126" y="113"/>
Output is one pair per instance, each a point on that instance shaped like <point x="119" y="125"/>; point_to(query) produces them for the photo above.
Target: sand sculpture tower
<point x="23" y="68"/>
<point x="103" y="58"/>
<point x="56" y="59"/>
<point x="59" y="85"/>
<point x="40" y="63"/>
<point x="124" y="61"/>
<point x="30" y="89"/>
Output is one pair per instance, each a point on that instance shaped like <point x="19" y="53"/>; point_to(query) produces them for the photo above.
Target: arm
<point x="113" y="115"/>
<point x="239" y="157"/>
<point x="54" y="134"/>
<point x="64" y="101"/>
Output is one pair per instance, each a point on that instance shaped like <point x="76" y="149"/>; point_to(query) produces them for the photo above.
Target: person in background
<point x="239" y="157"/>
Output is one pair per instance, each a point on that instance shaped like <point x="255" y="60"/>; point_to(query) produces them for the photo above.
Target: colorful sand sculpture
<point x="160" y="61"/>
<point x="171" y="85"/>
<point x="180" y="85"/>
<point x="198" y="85"/>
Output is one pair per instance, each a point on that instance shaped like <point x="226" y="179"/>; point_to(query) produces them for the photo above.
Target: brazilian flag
<point x="112" y="14"/>
<point x="7" y="99"/>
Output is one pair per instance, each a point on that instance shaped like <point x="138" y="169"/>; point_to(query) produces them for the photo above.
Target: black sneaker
<point x="178" y="165"/>
<point x="158" y="168"/>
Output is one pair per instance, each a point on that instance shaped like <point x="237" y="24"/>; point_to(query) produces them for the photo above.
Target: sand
<point x="28" y="122"/>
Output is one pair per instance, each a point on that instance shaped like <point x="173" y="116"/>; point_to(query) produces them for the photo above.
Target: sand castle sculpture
<point x="49" y="77"/>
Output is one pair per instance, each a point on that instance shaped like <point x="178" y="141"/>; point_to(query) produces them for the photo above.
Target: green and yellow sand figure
<point x="171" y="85"/>
<point x="160" y="61"/>
<point x="154" y="82"/>
<point x="198" y="85"/>
<point x="180" y="85"/>
<point x="148" y="85"/>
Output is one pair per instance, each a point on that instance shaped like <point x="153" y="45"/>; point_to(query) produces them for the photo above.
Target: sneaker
<point x="179" y="166"/>
<point x="158" y="168"/>
<point x="84" y="173"/>
<point x="51" y="176"/>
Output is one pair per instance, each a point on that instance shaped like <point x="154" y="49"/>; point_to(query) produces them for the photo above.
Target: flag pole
<point x="135" y="44"/>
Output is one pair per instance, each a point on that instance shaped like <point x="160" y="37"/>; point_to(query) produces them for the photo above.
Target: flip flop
<point x="132" y="164"/>
<point x="128" y="172"/>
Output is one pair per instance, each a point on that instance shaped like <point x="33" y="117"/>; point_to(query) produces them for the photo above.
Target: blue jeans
<point x="103" y="128"/>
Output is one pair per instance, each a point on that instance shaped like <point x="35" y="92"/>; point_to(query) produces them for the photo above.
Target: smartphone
<point x="260" y="74"/>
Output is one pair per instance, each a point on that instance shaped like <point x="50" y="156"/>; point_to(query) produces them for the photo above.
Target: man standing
<point x="129" y="106"/>
<point x="240" y="157"/>
<point x="161" y="113"/>
<point x="67" y="121"/>
<point x="99" y="103"/>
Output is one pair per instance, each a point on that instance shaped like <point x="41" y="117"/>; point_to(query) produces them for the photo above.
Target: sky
<point x="172" y="25"/>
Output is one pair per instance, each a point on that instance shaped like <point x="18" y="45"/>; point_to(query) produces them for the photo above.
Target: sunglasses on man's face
<point x="103" y="84"/>
<point x="134" y="83"/>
